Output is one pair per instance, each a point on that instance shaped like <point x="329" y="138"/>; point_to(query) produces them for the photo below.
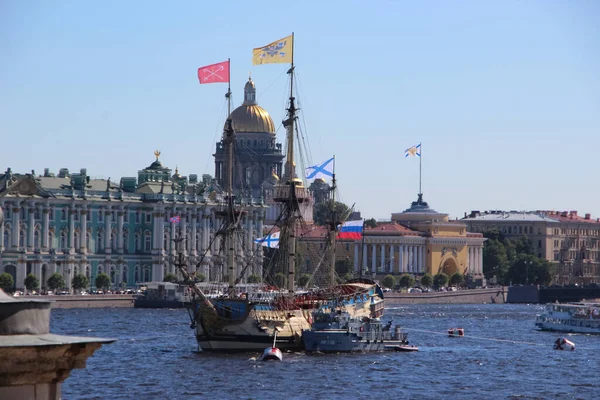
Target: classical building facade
<point x="73" y="224"/>
<point x="420" y="240"/>
<point x="562" y="237"/>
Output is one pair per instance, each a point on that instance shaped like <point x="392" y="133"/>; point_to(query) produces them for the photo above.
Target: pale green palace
<point x="71" y="224"/>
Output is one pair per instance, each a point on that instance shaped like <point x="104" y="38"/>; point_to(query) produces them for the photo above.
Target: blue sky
<point x="504" y="96"/>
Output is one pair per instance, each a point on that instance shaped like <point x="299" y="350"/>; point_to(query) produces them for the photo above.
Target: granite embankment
<point x="472" y="296"/>
<point x="91" y="301"/>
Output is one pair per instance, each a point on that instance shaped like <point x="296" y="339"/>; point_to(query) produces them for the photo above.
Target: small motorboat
<point x="456" y="332"/>
<point x="402" y="348"/>
<point x="564" y="344"/>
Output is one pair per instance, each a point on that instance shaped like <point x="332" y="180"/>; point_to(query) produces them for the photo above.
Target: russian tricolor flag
<point x="351" y="230"/>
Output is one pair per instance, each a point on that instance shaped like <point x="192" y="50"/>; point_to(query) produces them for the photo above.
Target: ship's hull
<point x="251" y="327"/>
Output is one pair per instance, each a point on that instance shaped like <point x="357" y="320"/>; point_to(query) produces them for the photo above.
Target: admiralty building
<point x="72" y="224"/>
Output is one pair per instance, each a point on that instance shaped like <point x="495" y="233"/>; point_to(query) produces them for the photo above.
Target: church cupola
<point x="249" y="93"/>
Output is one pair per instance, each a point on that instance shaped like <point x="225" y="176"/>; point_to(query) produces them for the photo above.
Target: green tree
<point x="440" y="280"/>
<point x="493" y="234"/>
<point x="427" y="280"/>
<point x="200" y="277"/>
<point x="389" y="281"/>
<point x="323" y="212"/>
<point x="303" y="280"/>
<point x="495" y="262"/>
<point x="31" y="282"/>
<point x="170" y="278"/>
<point x="523" y="245"/>
<point x="7" y="283"/>
<point x="103" y="281"/>
<point x="279" y="280"/>
<point x="56" y="281"/>
<point x="254" y="279"/>
<point x="342" y="267"/>
<point x="80" y="282"/>
<point x="371" y="223"/>
<point x="457" y="279"/>
<point x="406" y="281"/>
<point x="348" y="276"/>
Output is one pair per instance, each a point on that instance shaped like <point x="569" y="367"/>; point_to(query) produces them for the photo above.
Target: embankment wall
<point x="92" y="301"/>
<point x="473" y="296"/>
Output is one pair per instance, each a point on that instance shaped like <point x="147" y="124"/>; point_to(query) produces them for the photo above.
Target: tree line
<point x="507" y="261"/>
<point x="55" y="282"/>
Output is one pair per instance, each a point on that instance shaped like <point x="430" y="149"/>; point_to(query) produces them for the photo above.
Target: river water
<point x="500" y="357"/>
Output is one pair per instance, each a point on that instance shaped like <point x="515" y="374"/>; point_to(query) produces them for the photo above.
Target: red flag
<point x="214" y="73"/>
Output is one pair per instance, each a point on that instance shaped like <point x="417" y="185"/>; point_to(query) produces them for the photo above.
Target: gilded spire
<point x="157" y="154"/>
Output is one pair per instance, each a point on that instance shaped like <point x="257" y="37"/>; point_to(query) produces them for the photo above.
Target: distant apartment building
<point x="562" y="237"/>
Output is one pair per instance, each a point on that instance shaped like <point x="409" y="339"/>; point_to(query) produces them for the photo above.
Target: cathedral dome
<point x="250" y="117"/>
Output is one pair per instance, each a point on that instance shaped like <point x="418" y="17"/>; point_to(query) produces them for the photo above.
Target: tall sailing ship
<point x="248" y="319"/>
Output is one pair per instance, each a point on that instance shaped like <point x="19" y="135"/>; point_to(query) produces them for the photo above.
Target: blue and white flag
<point x="271" y="240"/>
<point x="323" y="170"/>
<point x="414" y="151"/>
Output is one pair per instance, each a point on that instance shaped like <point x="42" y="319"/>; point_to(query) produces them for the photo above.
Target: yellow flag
<point x="279" y="51"/>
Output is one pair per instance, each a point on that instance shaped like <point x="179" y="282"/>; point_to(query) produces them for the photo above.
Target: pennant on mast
<point x="280" y="51"/>
<point x="214" y="73"/>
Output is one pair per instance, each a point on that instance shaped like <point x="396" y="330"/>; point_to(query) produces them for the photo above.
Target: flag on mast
<point x="280" y="51"/>
<point x="271" y="240"/>
<point x="351" y="230"/>
<point x="214" y="73"/>
<point x="414" y="151"/>
<point x="323" y="170"/>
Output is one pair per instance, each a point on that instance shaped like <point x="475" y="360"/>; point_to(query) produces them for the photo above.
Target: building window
<point x="148" y="218"/>
<point x="7" y="212"/>
<point x="63" y="214"/>
<point x="100" y="216"/>
<point x="147" y="242"/>
<point x="138" y="242"/>
<point x="87" y="240"/>
<point x="113" y="241"/>
<point x="76" y="240"/>
<point x="88" y="217"/>
<point x="99" y="241"/>
<point x="6" y="239"/>
<point x="36" y="239"/>
<point x="539" y="243"/>
<point x="36" y="214"/>
<point x="137" y="217"/>
<point x="63" y="240"/>
<point x="126" y="217"/>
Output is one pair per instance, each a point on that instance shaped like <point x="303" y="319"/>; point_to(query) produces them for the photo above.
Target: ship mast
<point x="290" y="191"/>
<point x="332" y="229"/>
<point x="230" y="220"/>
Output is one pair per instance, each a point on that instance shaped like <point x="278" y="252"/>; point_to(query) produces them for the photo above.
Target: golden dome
<point x="252" y="118"/>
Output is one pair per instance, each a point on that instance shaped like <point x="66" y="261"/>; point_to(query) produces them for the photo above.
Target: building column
<point x="120" y="217"/>
<point x="21" y="273"/>
<point x="183" y="231"/>
<point x="83" y="236"/>
<point x="400" y="258"/>
<point x="30" y="228"/>
<point x="107" y="229"/>
<point x="45" y="228"/>
<point x="37" y="271"/>
<point x="356" y="244"/>
<point x="382" y="261"/>
<point x="391" y="265"/>
<point x="373" y="258"/>
<point x="71" y="244"/>
<point x="194" y="250"/>
<point x="1" y="234"/>
<point x="480" y="261"/>
<point x="364" y="258"/>
<point x="16" y="230"/>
